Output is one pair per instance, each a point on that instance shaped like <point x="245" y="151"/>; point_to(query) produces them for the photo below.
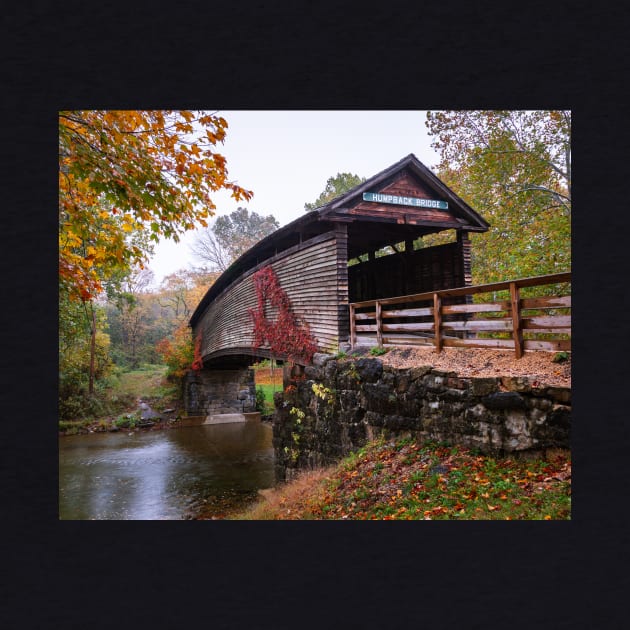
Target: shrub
<point x="560" y="357"/>
<point x="377" y="351"/>
<point x="128" y="421"/>
<point x="260" y="400"/>
<point x="177" y="352"/>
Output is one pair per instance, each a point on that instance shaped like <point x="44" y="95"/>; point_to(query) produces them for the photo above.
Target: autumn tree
<point x="514" y="168"/>
<point x="180" y="293"/>
<point x="132" y="172"/>
<point x="335" y="186"/>
<point x="230" y="236"/>
<point x="126" y="179"/>
<point x="182" y="290"/>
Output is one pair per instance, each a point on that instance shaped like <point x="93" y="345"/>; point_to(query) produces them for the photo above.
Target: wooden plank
<point x="489" y="307"/>
<point x="408" y="341"/>
<point x="479" y="325"/>
<point x="551" y="321"/>
<point x="550" y="346"/>
<point x="480" y="343"/>
<point x="547" y="302"/>
<point x="379" y="325"/>
<point x="517" y="332"/>
<point x="353" y="330"/>
<point x="366" y="327"/>
<point x="359" y="316"/>
<point x="409" y="312"/>
<point x="365" y="340"/>
<point x="437" y="320"/>
<point x="418" y="326"/>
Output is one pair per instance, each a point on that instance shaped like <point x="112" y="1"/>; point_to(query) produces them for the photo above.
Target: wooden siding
<point x="310" y="276"/>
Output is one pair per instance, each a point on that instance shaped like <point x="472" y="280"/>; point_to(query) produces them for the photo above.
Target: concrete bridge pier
<point x="221" y="395"/>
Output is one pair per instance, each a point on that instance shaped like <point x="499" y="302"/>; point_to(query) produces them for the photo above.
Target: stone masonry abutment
<point x="213" y="391"/>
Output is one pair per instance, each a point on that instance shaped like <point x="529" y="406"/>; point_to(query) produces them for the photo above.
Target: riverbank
<point x="144" y="399"/>
<point x="403" y="480"/>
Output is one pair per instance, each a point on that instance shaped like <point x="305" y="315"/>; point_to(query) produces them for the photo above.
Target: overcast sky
<point x="286" y="157"/>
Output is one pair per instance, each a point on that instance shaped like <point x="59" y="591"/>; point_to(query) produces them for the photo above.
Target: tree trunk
<point x="92" y="352"/>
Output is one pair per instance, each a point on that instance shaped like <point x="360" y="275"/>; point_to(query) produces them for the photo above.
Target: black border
<point x="277" y="575"/>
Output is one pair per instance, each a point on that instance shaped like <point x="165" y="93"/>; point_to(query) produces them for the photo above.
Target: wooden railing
<point x="435" y="318"/>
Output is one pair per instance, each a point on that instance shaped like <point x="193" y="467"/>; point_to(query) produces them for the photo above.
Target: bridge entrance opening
<point x="402" y="262"/>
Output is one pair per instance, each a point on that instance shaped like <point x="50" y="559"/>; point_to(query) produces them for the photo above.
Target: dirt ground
<point x="539" y="366"/>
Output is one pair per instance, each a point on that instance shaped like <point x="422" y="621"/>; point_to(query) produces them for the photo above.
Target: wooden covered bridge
<point x="356" y="271"/>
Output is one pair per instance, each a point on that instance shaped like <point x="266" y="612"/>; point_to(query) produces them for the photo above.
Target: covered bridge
<point x="327" y="258"/>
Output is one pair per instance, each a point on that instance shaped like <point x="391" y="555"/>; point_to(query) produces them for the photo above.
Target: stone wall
<point x="333" y="407"/>
<point x="219" y="391"/>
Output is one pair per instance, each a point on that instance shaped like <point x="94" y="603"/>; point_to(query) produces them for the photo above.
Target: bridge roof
<point x="383" y="222"/>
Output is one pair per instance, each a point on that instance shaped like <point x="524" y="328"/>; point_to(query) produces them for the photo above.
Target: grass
<point x="403" y="480"/>
<point x="268" y="382"/>
<point x="268" y="391"/>
<point x="145" y="382"/>
<point x="377" y="351"/>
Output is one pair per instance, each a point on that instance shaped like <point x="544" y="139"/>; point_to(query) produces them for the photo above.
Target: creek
<point x="173" y="474"/>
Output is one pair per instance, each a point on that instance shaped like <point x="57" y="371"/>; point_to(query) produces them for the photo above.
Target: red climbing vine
<point x="197" y="363"/>
<point x="287" y="335"/>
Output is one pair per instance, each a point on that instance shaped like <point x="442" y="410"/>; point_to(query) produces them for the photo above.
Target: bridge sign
<point x="405" y="201"/>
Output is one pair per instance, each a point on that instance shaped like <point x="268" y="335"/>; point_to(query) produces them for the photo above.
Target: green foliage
<point x="75" y="401"/>
<point x="73" y="427"/>
<point x="335" y="186"/>
<point x="377" y="351"/>
<point x="260" y="399"/>
<point x="298" y="413"/>
<point x="128" y="421"/>
<point x="560" y="357"/>
<point x="514" y="168"/>
<point x="266" y="392"/>
<point x="325" y="393"/>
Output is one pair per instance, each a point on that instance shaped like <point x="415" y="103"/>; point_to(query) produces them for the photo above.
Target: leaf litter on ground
<point x="404" y="480"/>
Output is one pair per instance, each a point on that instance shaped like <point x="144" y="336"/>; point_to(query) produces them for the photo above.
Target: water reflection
<point x="161" y="475"/>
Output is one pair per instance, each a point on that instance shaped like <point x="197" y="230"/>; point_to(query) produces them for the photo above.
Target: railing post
<point x="353" y="329"/>
<point x="437" y="321"/>
<point x="517" y="331"/>
<point x="379" y="325"/>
